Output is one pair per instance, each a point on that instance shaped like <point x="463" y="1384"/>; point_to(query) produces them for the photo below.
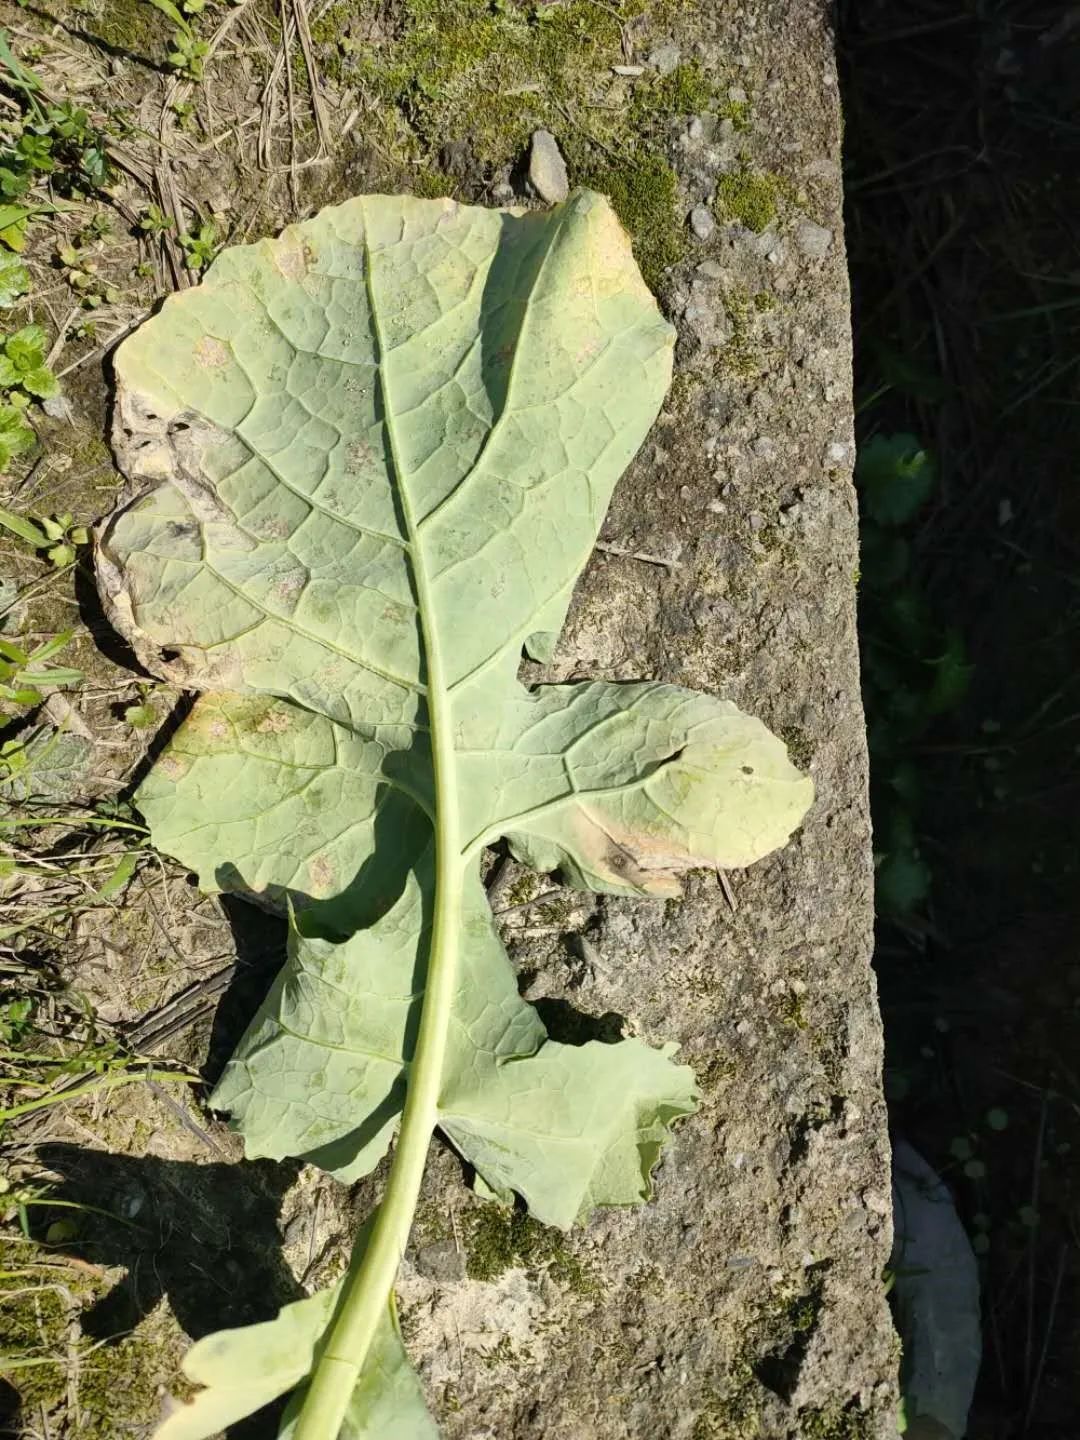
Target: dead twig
<point x="642" y="555"/>
<point x="729" y="894"/>
<point x="318" y="103"/>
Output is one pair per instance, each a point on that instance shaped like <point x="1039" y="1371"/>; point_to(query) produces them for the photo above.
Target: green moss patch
<point x="749" y="198"/>
<point x="455" y="88"/>
<point x="497" y="1240"/>
<point x="643" y="194"/>
<point x="850" y="1423"/>
<point x="133" y="26"/>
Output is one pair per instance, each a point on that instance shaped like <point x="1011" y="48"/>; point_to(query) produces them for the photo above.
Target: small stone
<point x="813" y="240"/>
<point x="665" y="58"/>
<point x="58" y="407"/>
<point x="442" y="1261"/>
<point x="702" y="222"/>
<point x="547" y="168"/>
<point x="696" y="129"/>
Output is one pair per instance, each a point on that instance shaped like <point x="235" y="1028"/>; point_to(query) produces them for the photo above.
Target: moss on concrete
<point x="686" y="90"/>
<point x="642" y="192"/>
<point x="799" y="745"/>
<point x="433" y="184"/>
<point x="458" y="86"/>
<point x="498" y="1239"/>
<point x="741" y="358"/>
<point x="732" y="1412"/>
<point x="850" y="1423"/>
<point x="790" y="1011"/>
<point x="737" y="111"/>
<point x="749" y="198"/>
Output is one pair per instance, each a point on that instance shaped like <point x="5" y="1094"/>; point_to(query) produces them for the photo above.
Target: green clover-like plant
<point x="16" y="433"/>
<point x="14" y="279"/>
<point x="368" y="461"/>
<point x="23" y="371"/>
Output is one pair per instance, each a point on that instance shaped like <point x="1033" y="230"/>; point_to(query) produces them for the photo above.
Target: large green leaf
<point x="368" y="461"/>
<point x="322" y="1072"/>
<point x="244" y="1369"/>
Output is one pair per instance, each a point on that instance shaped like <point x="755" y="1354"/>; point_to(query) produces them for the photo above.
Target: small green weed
<point x="200" y="246"/>
<point x="55" y="144"/>
<point x="24" y="375"/>
<point x="14" y="279"/>
<point x="141" y="715"/>
<point x="23" y="674"/>
<point x="915" y="669"/>
<point x="155" y="221"/>
<point x="187" y="52"/>
<point x="80" y="271"/>
<point x="57" y="535"/>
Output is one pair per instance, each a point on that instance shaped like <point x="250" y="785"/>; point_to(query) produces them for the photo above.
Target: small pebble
<point x="547" y="168"/>
<point x="696" y="129"/>
<point x="702" y="222"/>
<point x="665" y="58"/>
<point x="813" y="240"/>
<point x="441" y="1261"/>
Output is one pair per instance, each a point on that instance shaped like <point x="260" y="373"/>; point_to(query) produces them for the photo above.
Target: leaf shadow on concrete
<point x="205" y="1237"/>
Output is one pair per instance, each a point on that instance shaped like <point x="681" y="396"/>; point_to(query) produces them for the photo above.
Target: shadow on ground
<point x="204" y="1237"/>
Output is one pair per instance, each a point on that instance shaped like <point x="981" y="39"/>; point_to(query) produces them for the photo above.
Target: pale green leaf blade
<point x="265" y="799"/>
<point x="368" y="461"/>
<point x="625" y="787"/>
<point x="320" y="1073"/>
<point x="573" y="1126"/>
<point x="242" y="1370"/>
<point x="394" y="384"/>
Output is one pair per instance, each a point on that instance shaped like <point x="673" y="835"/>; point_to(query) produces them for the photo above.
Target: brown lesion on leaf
<point x="628" y="858"/>
<point x="322" y="875"/>
<point x="291" y="585"/>
<point x="274" y="722"/>
<point x="211" y="353"/>
<point x="173" y="766"/>
<point x="273" y="528"/>
<point x="360" y="459"/>
<point x="293" y="259"/>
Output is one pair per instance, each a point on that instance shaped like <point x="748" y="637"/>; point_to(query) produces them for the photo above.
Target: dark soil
<point x="963" y="142"/>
